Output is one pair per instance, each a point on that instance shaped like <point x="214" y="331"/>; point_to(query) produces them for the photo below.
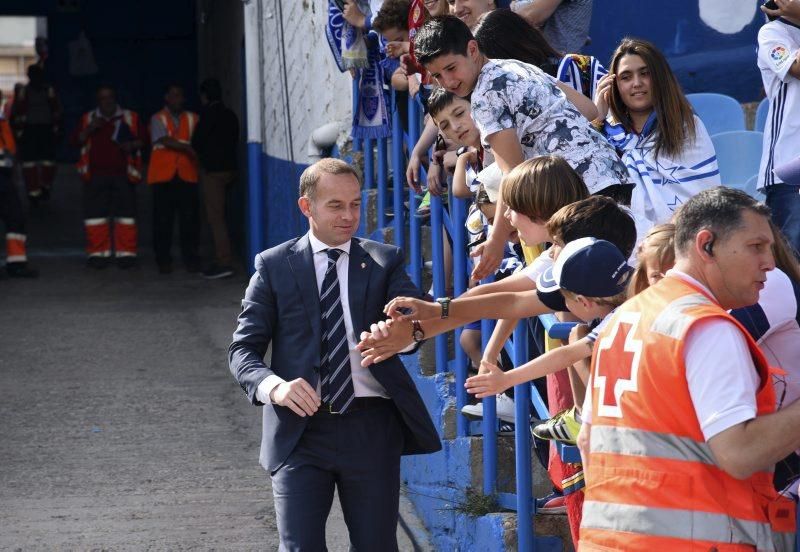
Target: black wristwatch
<point x="416" y="331"/>
<point x="445" y="303"/>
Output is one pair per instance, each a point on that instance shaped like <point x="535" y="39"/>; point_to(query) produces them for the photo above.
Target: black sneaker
<point x="127" y="262"/>
<point x="215" y="272"/>
<point x="21" y="270"/>
<point x="97" y="263"/>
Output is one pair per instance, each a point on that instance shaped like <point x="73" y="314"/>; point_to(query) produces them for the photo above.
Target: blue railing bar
<point x="415" y="250"/>
<point x="458" y="233"/>
<point x="437" y="255"/>
<point x="509" y="501"/>
<point x="382" y="184"/>
<point x="398" y="176"/>
<point x="554" y="327"/>
<point x="538" y="404"/>
<point x="522" y="445"/>
<point x="447" y="219"/>
<point x="489" y="424"/>
<point x="369" y="164"/>
<point x="569" y="453"/>
<point x="356" y="141"/>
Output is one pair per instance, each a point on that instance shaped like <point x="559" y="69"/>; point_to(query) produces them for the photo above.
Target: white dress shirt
<point x="364" y="384"/>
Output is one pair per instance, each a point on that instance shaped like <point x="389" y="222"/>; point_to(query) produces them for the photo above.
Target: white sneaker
<point x="504" y="407"/>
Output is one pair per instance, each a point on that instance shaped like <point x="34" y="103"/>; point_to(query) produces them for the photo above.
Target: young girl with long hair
<point x="645" y="115"/>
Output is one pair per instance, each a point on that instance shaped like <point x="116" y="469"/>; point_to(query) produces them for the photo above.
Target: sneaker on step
<point x="563" y="427"/>
<point x="504" y="406"/>
<point x="554" y="503"/>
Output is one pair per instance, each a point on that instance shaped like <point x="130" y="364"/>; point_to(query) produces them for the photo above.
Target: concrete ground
<point x="121" y="427"/>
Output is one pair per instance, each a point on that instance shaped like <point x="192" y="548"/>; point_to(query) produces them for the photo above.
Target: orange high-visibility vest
<point x="652" y="482"/>
<point x="8" y="146"/>
<point x="165" y="163"/>
<point x="134" y="169"/>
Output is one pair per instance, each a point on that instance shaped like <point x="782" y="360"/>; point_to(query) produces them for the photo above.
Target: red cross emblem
<point x="617" y="364"/>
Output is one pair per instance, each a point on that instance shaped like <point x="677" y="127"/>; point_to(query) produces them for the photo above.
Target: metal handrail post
<point x="437" y="255"/>
<point x="489" y="423"/>
<point x="457" y="215"/>
<point x="398" y="175"/>
<point x="522" y="444"/>
<point x="415" y="246"/>
<point x="382" y="184"/>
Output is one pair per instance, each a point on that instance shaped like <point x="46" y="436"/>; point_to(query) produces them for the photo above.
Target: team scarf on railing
<point x="664" y="182"/>
<point x="346" y="42"/>
<point x="371" y="116"/>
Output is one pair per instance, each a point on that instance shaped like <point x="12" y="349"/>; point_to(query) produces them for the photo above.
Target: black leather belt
<point x="359" y="403"/>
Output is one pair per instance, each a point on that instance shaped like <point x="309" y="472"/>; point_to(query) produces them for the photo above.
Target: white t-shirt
<point x="778" y="44"/>
<point x="716" y="357"/>
<point x="773" y="324"/>
<point x="538" y="266"/>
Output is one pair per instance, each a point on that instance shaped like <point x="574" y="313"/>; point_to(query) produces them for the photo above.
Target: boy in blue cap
<point x="592" y="275"/>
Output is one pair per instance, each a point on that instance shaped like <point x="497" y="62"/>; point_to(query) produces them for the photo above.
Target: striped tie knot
<point x="333" y="254"/>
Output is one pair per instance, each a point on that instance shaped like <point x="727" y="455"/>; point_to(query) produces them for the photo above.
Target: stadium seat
<point x="761" y="115"/>
<point x="739" y="157"/>
<point x="719" y="113"/>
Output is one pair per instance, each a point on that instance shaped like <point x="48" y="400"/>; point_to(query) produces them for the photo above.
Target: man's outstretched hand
<point x="384" y="340"/>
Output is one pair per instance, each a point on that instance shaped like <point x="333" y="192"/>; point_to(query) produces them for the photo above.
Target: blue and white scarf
<point x="663" y="183"/>
<point x="346" y="42"/>
<point x="371" y="116"/>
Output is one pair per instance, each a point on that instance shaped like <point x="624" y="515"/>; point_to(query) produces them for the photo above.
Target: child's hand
<point x="491" y="380"/>
<point x="418" y="309"/>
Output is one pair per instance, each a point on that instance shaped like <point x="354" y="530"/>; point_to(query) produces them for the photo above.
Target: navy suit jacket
<point x="281" y="308"/>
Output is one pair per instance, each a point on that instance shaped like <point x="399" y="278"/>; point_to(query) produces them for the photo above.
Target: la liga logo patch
<point x="779" y="54"/>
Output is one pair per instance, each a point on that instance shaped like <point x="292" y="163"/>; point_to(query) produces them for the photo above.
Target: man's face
<point x="106" y="101"/>
<point x="455" y="122"/>
<point x="174" y="99"/>
<point x="334" y="212"/>
<point x="457" y="73"/>
<point x="741" y="262"/>
<point x="469" y="11"/>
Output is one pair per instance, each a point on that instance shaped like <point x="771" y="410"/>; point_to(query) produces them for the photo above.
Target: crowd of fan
<point x="590" y="162"/>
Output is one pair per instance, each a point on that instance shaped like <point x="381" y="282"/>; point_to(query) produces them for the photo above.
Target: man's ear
<point x="305" y="206"/>
<point x="472" y="50"/>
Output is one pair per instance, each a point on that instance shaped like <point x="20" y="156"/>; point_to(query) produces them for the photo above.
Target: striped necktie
<point x="337" y="378"/>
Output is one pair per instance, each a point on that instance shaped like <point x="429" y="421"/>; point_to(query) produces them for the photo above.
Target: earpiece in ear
<point x="708" y="247"/>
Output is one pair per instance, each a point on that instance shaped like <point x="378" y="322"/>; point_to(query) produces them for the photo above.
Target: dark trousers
<point x="109" y="197"/>
<point x="172" y="198"/>
<point x="11" y="214"/>
<point x="215" y="187"/>
<point x="358" y="454"/>
<point x="784" y="200"/>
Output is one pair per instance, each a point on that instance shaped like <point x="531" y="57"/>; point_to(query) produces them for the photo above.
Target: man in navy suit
<point x="327" y="421"/>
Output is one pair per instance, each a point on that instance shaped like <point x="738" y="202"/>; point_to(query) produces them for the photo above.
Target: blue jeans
<point x="784" y="200"/>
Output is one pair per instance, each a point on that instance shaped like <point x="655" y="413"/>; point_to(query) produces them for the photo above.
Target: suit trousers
<point x="171" y="198"/>
<point x="358" y="454"/>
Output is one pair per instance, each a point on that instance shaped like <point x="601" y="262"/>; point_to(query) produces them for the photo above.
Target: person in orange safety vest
<point x="681" y="433"/>
<point x="172" y="173"/>
<point x="110" y="164"/>
<point x="11" y="213"/>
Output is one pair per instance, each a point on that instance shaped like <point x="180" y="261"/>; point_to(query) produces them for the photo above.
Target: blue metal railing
<point x="450" y="225"/>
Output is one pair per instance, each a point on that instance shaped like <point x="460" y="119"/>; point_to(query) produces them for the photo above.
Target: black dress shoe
<point x="97" y="263"/>
<point x="21" y="270"/>
<point x="127" y="262"/>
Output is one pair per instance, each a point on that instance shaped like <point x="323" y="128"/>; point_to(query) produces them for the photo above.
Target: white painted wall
<point x="318" y="92"/>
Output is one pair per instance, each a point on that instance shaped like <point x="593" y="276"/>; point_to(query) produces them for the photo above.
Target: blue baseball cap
<point x="589" y="267"/>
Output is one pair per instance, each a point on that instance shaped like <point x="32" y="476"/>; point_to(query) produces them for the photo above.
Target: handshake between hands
<point x="389" y="337"/>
